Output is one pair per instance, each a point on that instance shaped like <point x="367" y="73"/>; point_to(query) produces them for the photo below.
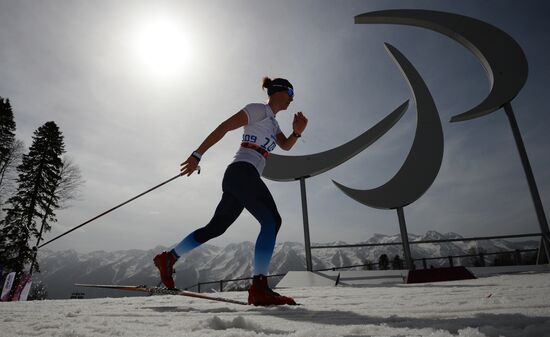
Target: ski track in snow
<point x="505" y="305"/>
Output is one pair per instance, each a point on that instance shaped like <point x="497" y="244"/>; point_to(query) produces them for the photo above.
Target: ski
<point x="161" y="291"/>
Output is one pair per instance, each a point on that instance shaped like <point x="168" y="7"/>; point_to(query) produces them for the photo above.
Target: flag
<point x="25" y="292"/>
<point x="7" y="287"/>
<point x="22" y="282"/>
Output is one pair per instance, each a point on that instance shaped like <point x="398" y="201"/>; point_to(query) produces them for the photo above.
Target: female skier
<point x="243" y="188"/>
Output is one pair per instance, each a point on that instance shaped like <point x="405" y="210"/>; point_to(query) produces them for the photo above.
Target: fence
<point x="451" y="259"/>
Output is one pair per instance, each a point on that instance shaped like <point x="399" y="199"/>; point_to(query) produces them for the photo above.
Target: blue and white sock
<point x="186" y="245"/>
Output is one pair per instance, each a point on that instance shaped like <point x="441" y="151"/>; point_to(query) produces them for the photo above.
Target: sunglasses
<point x="289" y="91"/>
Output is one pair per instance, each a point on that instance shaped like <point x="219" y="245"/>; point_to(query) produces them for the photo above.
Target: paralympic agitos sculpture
<point x="505" y="65"/>
<point x="506" y="68"/>
<point x="422" y="163"/>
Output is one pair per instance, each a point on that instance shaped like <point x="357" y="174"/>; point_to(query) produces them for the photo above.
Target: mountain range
<point x="61" y="269"/>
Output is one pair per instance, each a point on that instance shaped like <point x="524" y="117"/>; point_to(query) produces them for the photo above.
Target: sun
<point x="161" y="46"/>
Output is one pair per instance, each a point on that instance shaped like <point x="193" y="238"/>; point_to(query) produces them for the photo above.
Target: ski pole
<point x="109" y="211"/>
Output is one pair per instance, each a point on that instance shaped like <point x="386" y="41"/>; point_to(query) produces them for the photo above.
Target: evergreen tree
<point x="7" y="136"/>
<point x="397" y="263"/>
<point x="368" y="265"/>
<point x="39" y="174"/>
<point x="8" y="172"/>
<point x="479" y="259"/>
<point x="38" y="292"/>
<point x="65" y="190"/>
<point x="7" y="127"/>
<point x="504" y="259"/>
<point x="383" y="262"/>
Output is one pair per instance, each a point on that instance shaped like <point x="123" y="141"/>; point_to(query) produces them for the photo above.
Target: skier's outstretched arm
<point x="234" y="122"/>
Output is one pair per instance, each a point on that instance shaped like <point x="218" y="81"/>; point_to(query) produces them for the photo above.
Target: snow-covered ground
<point x="504" y="305"/>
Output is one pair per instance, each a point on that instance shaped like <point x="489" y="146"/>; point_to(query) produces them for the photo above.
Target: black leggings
<point x="242" y="188"/>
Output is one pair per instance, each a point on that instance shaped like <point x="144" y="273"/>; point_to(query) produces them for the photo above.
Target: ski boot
<point x="165" y="264"/>
<point x="259" y="293"/>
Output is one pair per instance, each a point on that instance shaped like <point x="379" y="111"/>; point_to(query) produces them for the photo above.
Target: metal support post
<point x="542" y="253"/>
<point x="543" y="223"/>
<point x="405" y="238"/>
<point x="307" y="243"/>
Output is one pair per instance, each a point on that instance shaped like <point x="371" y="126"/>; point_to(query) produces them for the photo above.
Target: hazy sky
<point x="133" y="103"/>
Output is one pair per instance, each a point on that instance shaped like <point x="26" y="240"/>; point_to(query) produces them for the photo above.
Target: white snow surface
<point x="503" y="305"/>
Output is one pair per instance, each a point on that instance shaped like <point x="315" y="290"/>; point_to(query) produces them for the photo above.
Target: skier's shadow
<point x="489" y="324"/>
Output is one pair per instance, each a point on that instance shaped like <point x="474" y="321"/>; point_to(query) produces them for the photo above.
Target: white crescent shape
<point x="424" y="159"/>
<point x="501" y="56"/>
<point x="289" y="168"/>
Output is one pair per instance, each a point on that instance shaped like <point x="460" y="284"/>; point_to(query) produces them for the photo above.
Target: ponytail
<point x="266" y="82"/>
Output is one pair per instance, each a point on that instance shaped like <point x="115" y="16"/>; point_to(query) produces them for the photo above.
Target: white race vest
<point x="261" y="131"/>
